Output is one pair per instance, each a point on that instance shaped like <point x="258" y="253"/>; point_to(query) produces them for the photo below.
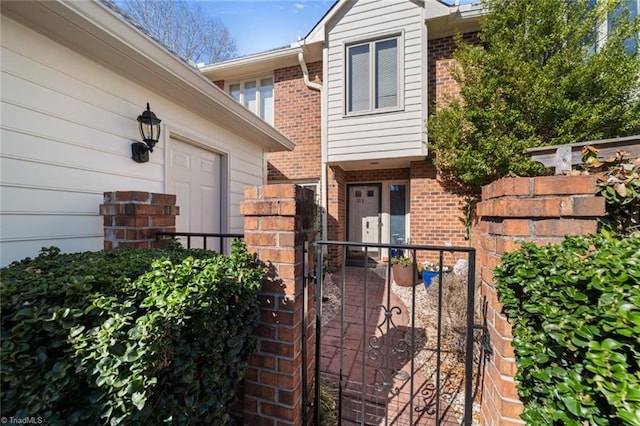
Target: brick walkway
<point x="383" y="386"/>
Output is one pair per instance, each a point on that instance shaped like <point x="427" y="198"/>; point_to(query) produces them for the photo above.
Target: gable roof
<point x="96" y="31"/>
<point x="442" y="19"/>
<point x="446" y="18"/>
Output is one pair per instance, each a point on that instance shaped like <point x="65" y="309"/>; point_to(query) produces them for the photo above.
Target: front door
<point x="364" y="213"/>
<point x="194" y="175"/>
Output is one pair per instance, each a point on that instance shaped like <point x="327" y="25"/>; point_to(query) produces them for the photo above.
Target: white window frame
<point x="257" y="82"/>
<point x="371" y="41"/>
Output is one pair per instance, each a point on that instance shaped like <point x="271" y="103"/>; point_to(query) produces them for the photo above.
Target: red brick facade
<point x="298" y="117"/>
<point x="437" y="207"/>
<point x="442" y="87"/>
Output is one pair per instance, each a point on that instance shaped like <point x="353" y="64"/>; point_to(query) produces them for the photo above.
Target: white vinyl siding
<point x="256" y="95"/>
<point x="365" y="119"/>
<point x="66" y="130"/>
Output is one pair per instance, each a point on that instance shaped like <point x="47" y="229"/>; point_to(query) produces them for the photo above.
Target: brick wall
<point x="278" y="219"/>
<point x="336" y="212"/>
<point x="298" y="117"/>
<point x="541" y="209"/>
<point x="356" y="176"/>
<point x="442" y="87"/>
<point x="132" y="218"/>
<point x="437" y="207"/>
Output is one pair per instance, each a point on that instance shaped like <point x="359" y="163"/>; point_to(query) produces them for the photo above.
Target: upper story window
<point x="632" y="9"/>
<point x="256" y="95"/>
<point x="627" y="8"/>
<point x="373" y="75"/>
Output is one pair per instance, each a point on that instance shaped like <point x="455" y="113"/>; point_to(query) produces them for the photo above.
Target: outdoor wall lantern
<point x="150" y="133"/>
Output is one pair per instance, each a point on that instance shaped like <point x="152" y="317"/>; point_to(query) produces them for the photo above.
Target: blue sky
<point x="259" y="25"/>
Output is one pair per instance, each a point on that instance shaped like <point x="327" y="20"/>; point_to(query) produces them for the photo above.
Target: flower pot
<point x="427" y="277"/>
<point x="403" y="275"/>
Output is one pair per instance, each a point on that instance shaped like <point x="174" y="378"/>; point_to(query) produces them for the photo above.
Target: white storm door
<point x="364" y="213"/>
<point x="194" y="175"/>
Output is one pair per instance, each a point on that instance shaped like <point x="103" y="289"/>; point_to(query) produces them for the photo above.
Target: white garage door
<point x="194" y="175"/>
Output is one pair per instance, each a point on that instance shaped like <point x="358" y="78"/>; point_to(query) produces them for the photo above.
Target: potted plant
<point x="403" y="271"/>
<point x="429" y="270"/>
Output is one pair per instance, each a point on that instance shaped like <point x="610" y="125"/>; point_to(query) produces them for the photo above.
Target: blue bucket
<point x="427" y="277"/>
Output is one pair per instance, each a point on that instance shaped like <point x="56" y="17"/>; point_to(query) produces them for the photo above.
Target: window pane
<point x="234" y="90"/>
<point x="250" y="96"/>
<point x="358" y="78"/>
<point x="266" y="100"/>
<point x="626" y="6"/>
<point x="398" y="213"/>
<point x="386" y="83"/>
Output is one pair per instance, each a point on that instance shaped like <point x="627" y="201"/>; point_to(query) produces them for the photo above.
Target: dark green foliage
<point x="619" y="184"/>
<point x="127" y="336"/>
<point x="575" y="311"/>
<point x="536" y="78"/>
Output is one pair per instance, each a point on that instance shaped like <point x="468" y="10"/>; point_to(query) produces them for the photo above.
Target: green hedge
<point x="575" y="311"/>
<point x="127" y="336"/>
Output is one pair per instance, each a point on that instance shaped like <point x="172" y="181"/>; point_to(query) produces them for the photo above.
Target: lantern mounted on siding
<point x="150" y="133"/>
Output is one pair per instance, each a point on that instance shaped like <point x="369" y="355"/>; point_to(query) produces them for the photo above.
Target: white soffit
<point x="443" y="21"/>
<point x="262" y="63"/>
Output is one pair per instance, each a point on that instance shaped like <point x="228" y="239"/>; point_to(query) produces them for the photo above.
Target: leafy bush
<point x="619" y="184"/>
<point x="127" y="336"/>
<point x="535" y="79"/>
<point x="575" y="311"/>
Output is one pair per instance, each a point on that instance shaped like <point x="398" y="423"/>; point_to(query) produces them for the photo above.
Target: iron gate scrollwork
<point x="387" y="352"/>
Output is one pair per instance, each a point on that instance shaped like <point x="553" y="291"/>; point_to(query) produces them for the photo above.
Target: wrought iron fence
<point x="373" y="344"/>
<point x="202" y="239"/>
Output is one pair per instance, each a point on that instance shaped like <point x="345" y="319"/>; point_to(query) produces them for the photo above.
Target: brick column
<point x="132" y="218"/>
<point x="336" y="213"/>
<point x="543" y="210"/>
<point x="277" y="220"/>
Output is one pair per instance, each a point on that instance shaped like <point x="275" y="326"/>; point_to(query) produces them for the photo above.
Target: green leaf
<point x="138" y="399"/>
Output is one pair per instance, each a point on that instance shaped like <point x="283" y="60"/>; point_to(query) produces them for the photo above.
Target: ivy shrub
<point x="575" y="311"/>
<point x="127" y="336"/>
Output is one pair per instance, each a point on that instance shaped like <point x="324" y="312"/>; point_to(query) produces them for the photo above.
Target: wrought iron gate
<point x="391" y="354"/>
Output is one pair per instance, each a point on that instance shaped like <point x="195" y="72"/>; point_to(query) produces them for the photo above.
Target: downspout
<point x="425" y="76"/>
<point x="323" y="204"/>
<point x="305" y="71"/>
<point x="323" y="169"/>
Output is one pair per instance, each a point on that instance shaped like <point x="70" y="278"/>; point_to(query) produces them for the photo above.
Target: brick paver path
<point x="376" y="337"/>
